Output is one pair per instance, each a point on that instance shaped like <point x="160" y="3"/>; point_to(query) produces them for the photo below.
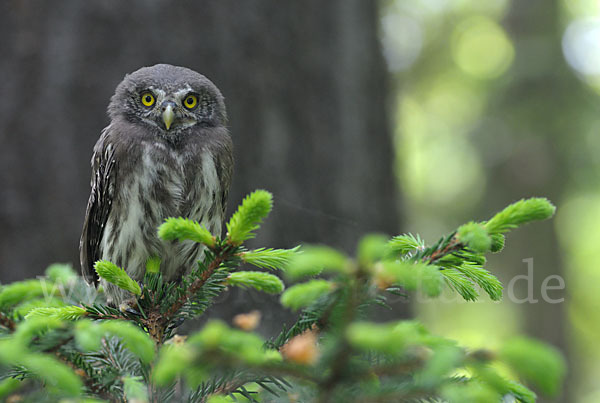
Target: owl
<point x="166" y="153"/>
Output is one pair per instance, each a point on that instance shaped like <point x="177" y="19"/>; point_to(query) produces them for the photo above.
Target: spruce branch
<point x="343" y="352"/>
<point x="157" y="320"/>
<point x="444" y="247"/>
<point x="231" y="385"/>
<point x="356" y="357"/>
<point x="85" y="372"/>
<point x="104" y="312"/>
<point x="254" y="208"/>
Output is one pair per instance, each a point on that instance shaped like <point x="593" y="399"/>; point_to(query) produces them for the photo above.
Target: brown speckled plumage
<point x="144" y="173"/>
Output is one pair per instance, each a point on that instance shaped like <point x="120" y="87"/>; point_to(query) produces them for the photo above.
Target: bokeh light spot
<point x="492" y="8"/>
<point x="402" y="41"/>
<point x="454" y="100"/>
<point x="581" y="46"/>
<point x="436" y="171"/>
<point x="481" y="48"/>
<point x="581" y="8"/>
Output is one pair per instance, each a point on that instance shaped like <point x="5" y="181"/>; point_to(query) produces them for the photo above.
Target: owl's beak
<point x="168" y="115"/>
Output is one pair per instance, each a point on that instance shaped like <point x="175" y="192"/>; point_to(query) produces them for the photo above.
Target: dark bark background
<point x="305" y="87"/>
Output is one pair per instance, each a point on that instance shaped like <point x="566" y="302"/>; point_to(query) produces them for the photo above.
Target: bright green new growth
<point x="411" y="276"/>
<point x="445" y="358"/>
<point x="372" y="248"/>
<point x="473" y="391"/>
<point x="483" y="237"/>
<point x="403" y="244"/>
<point x="520" y="392"/>
<point x="247" y="347"/>
<point x="304" y="294"/>
<point x="483" y="278"/>
<point x="388" y="338"/>
<point x="16" y="293"/>
<point x="36" y="327"/>
<point x="61" y="273"/>
<point x="117" y="276"/>
<point x="135" y="389"/>
<point x="70" y="312"/>
<point x="219" y="399"/>
<point x="254" y="208"/>
<point x="215" y="344"/>
<point x="269" y="258"/>
<point x="26" y="307"/>
<point x="313" y="260"/>
<point x="8" y="386"/>
<point x="475" y="236"/>
<point x="535" y="362"/>
<point x="172" y="360"/>
<point x="460" y="283"/>
<point x="184" y="229"/>
<point x="521" y="212"/>
<point x="153" y="265"/>
<point x="136" y="340"/>
<point x="89" y="336"/>
<point x="53" y="372"/>
<point x="497" y="242"/>
<point x="464" y="268"/>
<point x="259" y="280"/>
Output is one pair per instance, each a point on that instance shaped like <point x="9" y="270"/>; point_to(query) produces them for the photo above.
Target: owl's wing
<point x="225" y="168"/>
<point x="98" y="207"/>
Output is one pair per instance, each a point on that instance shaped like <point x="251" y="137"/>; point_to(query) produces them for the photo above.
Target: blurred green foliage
<point x="494" y="97"/>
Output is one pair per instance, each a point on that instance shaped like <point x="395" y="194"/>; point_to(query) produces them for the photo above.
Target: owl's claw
<point x="133" y="312"/>
<point x="127" y="307"/>
<point x="177" y="323"/>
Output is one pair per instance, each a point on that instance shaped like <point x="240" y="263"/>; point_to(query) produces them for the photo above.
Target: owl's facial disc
<point x="173" y="111"/>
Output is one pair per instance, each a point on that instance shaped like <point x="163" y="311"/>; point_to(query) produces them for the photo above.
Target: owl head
<point x="168" y="99"/>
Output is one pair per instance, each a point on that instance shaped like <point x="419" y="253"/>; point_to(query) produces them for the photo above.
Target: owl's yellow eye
<point x="190" y="101"/>
<point x="148" y="99"/>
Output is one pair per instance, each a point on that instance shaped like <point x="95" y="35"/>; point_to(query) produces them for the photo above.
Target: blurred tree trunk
<point x="305" y="87"/>
<point x="533" y="108"/>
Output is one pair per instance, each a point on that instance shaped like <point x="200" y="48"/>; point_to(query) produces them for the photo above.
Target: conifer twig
<point x="156" y="320"/>
<point x="453" y="245"/>
<point x="197" y="284"/>
<point x="339" y="363"/>
<point x="88" y="381"/>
